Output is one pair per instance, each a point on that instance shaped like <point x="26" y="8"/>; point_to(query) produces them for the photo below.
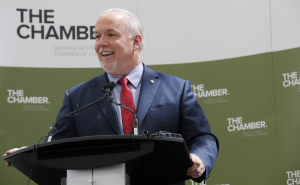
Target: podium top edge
<point x="137" y="138"/>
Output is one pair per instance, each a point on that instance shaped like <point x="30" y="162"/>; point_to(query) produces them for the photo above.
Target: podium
<point x="150" y="160"/>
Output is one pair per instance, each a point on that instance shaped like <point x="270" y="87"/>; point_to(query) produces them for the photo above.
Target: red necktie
<point x="127" y="101"/>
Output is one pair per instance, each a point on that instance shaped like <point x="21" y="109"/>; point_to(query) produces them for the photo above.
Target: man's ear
<point x="137" y="42"/>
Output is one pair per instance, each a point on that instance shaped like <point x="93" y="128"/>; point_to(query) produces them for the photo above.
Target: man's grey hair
<point x="133" y="25"/>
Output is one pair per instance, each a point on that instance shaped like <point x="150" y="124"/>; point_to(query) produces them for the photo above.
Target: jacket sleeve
<point x="196" y="131"/>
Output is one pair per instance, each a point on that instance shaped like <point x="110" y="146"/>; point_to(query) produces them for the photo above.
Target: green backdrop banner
<point x="287" y="103"/>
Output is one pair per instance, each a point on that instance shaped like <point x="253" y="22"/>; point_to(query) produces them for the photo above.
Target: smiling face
<point x="117" y="53"/>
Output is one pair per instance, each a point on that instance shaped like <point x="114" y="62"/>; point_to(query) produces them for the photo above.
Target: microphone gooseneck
<point x="135" y="121"/>
<point x="107" y="88"/>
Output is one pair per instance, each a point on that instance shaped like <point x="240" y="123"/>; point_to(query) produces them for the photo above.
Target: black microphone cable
<point x="138" y="160"/>
<point x="34" y="150"/>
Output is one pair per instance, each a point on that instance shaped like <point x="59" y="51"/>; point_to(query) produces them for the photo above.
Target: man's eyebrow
<point x="109" y="30"/>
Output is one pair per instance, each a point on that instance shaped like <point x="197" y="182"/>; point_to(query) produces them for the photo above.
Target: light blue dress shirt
<point x="134" y="83"/>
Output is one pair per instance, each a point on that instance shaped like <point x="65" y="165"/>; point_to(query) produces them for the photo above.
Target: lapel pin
<point x="152" y="81"/>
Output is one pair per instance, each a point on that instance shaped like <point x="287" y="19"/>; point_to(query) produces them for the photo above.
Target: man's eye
<point x="97" y="36"/>
<point x="111" y="34"/>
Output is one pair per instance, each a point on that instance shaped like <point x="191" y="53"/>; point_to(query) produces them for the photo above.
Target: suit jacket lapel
<point x="150" y="84"/>
<point x="107" y="108"/>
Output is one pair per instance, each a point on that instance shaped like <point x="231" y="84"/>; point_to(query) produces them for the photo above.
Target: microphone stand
<point x="54" y="128"/>
<point x="108" y="87"/>
<point x="135" y="121"/>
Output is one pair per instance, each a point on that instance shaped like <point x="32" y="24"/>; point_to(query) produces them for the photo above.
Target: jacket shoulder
<point x="163" y="76"/>
<point x="87" y="84"/>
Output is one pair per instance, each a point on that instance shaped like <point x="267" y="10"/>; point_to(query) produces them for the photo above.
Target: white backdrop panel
<point x="176" y="31"/>
<point x="200" y="30"/>
<point x="285" y="24"/>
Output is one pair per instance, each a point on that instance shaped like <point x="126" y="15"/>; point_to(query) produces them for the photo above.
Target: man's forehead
<point x="112" y="17"/>
<point x="111" y="21"/>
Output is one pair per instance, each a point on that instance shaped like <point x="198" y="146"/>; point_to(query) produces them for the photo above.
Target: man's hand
<point x="11" y="151"/>
<point x="198" y="167"/>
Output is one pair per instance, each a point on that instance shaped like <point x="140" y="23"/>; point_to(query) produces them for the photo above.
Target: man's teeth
<point x="107" y="53"/>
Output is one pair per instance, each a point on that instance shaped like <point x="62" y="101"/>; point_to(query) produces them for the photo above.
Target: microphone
<point x="108" y="87"/>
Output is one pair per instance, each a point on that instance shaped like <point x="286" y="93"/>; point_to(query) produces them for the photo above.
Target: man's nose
<point x="102" y="41"/>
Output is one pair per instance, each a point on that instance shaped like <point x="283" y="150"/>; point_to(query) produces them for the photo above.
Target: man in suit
<point x="162" y="102"/>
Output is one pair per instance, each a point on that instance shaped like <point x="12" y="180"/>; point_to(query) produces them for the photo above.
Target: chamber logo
<point x="199" y="91"/>
<point x="46" y="29"/>
<point x="290" y="79"/>
<point x="293" y="177"/>
<point x="17" y="96"/>
<point x="236" y="124"/>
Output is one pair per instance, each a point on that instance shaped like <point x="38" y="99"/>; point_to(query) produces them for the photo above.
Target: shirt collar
<point x="134" y="76"/>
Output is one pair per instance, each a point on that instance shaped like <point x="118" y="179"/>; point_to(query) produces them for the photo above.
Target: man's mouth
<point x="104" y="54"/>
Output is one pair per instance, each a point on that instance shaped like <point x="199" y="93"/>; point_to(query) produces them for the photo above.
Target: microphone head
<point x="110" y="86"/>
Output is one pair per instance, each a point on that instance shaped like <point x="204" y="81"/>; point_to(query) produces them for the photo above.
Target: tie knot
<point x="123" y="81"/>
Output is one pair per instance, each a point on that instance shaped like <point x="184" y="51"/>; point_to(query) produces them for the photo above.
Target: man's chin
<point x="109" y="68"/>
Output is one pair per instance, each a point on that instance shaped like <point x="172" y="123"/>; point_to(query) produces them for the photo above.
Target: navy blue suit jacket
<point x="168" y="104"/>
